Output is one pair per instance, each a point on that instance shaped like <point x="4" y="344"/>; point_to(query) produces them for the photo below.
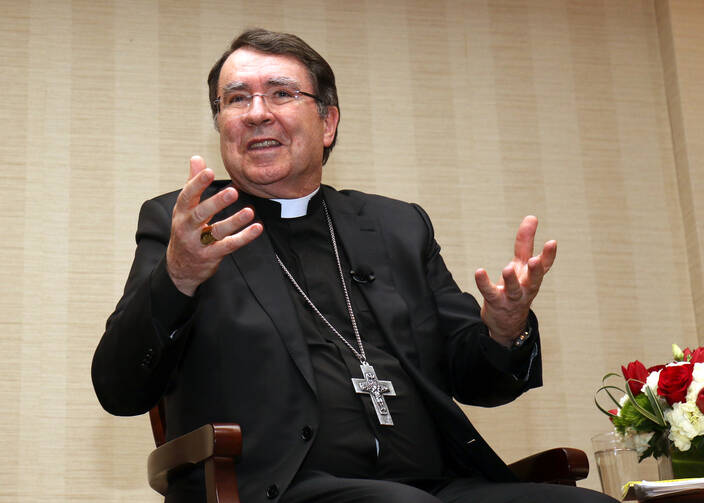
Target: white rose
<point x="686" y="422"/>
<point x="652" y="382"/>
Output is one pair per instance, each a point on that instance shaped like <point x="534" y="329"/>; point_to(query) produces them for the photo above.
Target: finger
<point x="232" y="224"/>
<point x="488" y="290"/>
<point x="189" y="196"/>
<point x="236" y="241"/>
<point x="523" y="247"/>
<point x="196" y="165"/>
<point x="540" y="265"/>
<point x="512" y="286"/>
<point x="535" y="274"/>
<point x="205" y="210"/>
<point x="547" y="257"/>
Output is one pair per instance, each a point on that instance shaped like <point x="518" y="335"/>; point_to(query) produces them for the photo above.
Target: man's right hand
<point x="189" y="262"/>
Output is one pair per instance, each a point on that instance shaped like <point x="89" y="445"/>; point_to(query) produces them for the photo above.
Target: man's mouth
<point x="263" y="144"/>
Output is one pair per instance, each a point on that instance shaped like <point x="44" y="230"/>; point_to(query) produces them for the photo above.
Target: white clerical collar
<point x="294" y="208"/>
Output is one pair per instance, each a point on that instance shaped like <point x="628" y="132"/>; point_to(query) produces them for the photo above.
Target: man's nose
<point x="258" y="111"/>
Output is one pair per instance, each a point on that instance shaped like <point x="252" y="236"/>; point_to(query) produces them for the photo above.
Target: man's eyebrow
<point x="283" y="81"/>
<point x="239" y="85"/>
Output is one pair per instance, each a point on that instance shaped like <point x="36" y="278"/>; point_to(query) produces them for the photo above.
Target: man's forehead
<point x="247" y="67"/>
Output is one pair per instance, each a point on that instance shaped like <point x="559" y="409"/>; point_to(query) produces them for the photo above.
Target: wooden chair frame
<point x="219" y="446"/>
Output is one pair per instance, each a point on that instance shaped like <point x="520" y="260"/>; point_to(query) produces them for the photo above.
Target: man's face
<point x="268" y="150"/>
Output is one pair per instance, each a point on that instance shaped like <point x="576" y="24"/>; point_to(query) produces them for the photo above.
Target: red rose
<point x="674" y="381"/>
<point x="700" y="400"/>
<point x="697" y="356"/>
<point x="635" y="375"/>
<point x="655" y="368"/>
<point x="615" y="412"/>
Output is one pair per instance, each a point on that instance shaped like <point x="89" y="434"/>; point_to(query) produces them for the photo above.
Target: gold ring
<point x="206" y="235"/>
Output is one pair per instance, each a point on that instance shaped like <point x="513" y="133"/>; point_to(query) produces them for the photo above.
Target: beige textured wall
<point x="679" y="24"/>
<point x="482" y="111"/>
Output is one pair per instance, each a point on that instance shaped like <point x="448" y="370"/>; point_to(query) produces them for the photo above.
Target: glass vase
<point x="676" y="464"/>
<point x="665" y="467"/>
<point x="687" y="464"/>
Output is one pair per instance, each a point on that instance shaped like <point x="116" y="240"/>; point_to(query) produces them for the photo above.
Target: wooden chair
<point x="219" y="446"/>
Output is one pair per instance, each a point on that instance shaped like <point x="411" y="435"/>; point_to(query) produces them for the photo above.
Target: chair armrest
<point x="562" y="465"/>
<point x="217" y="444"/>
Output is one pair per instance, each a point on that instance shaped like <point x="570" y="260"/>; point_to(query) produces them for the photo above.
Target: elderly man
<point x="324" y="322"/>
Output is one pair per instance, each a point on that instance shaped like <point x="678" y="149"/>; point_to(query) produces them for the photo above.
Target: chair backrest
<point x="158" y="419"/>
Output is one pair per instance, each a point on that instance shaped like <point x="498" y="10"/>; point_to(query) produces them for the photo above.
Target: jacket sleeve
<point x="146" y="334"/>
<point x="481" y="371"/>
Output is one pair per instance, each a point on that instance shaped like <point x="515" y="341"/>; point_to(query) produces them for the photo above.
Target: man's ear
<point x="330" y="123"/>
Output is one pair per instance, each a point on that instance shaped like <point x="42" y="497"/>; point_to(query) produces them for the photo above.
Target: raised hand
<point x="506" y="303"/>
<point x="188" y="261"/>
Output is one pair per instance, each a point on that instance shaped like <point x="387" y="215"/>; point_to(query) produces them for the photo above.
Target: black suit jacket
<point x="238" y="353"/>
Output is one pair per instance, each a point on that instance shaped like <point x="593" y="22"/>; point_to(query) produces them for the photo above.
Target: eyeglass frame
<point x="250" y="99"/>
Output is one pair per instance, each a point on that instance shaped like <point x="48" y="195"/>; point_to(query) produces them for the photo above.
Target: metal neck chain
<point x="361" y="356"/>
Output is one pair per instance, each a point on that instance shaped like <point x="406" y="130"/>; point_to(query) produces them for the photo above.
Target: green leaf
<point x="598" y="406"/>
<point x="658" y="445"/>
<point x="640" y="407"/>
<point x="610" y="387"/>
<point x="632" y="416"/>
<point x="613" y="399"/>
<point x="655" y="405"/>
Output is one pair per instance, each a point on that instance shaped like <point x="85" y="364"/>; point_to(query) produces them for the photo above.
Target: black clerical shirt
<point x="350" y="441"/>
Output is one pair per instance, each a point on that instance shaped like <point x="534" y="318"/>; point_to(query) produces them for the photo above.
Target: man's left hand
<point x="507" y="303"/>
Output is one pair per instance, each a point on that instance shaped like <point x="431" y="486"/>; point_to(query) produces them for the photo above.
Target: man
<point x="325" y="323"/>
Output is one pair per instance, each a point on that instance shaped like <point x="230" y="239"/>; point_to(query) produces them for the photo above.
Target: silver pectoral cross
<point x="376" y="390"/>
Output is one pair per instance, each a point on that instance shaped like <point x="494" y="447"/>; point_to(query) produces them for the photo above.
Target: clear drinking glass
<point x="617" y="462"/>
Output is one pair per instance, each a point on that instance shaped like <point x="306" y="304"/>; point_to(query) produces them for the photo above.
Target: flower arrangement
<point x="660" y="404"/>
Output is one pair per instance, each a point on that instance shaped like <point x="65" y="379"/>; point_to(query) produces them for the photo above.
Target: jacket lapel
<point x="364" y="245"/>
<point x="257" y="265"/>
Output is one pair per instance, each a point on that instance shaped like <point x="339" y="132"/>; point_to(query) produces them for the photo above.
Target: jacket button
<point x="272" y="491"/>
<point x="306" y="433"/>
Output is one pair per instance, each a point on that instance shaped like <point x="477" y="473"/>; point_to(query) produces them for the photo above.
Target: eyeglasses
<point x="240" y="101"/>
